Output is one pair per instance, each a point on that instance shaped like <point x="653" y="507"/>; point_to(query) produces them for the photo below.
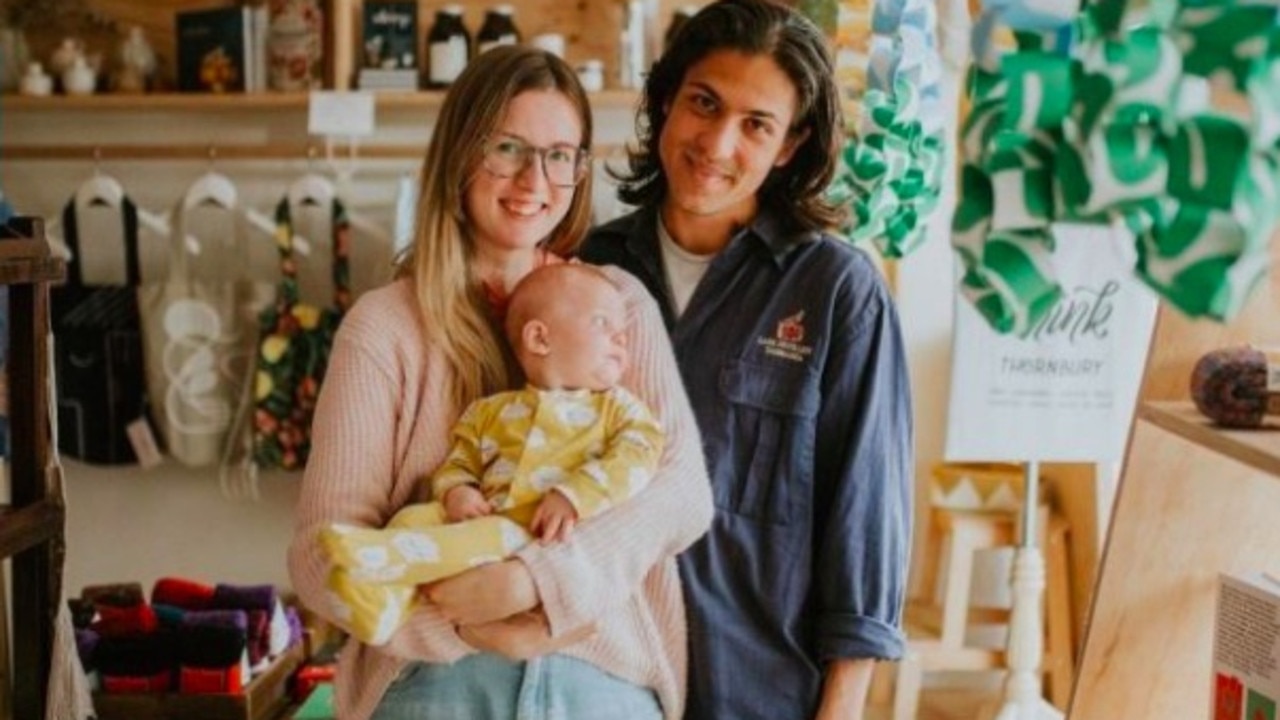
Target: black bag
<point x="98" y="353"/>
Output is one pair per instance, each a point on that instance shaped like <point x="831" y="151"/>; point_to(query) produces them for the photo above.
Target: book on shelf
<point x="221" y="49"/>
<point x="389" y="45"/>
<point x="1246" y="648"/>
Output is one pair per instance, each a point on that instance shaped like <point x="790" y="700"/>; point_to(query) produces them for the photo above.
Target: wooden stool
<point x="939" y="623"/>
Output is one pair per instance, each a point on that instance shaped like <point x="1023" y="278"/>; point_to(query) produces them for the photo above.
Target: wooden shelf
<point x="1259" y="448"/>
<point x="28" y="526"/>
<point x="23" y="271"/>
<point x="250" y="102"/>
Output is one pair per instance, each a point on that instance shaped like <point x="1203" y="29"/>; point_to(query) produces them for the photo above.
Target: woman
<point x="502" y="192"/>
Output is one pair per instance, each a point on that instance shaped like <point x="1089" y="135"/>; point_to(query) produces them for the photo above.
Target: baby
<point x="524" y="463"/>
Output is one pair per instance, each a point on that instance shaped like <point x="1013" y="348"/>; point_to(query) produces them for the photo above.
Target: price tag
<point x="348" y="114"/>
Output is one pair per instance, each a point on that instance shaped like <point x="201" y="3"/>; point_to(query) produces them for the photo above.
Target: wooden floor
<point x="959" y="697"/>
<point x="941" y="705"/>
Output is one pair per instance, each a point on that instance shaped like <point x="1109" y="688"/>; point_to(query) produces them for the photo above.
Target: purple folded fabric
<point x="86" y="642"/>
<point x="236" y="619"/>
<point x="244" y="597"/>
<point x="295" y="625"/>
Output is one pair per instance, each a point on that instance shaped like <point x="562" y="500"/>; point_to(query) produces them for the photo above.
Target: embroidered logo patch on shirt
<point x="788" y="340"/>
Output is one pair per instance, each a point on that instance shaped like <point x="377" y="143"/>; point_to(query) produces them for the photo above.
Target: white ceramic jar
<point x="591" y="75"/>
<point x="36" y="82"/>
<point x="79" y="79"/>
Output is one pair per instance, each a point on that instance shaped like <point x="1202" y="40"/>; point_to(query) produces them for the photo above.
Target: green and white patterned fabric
<point x="1105" y="118"/>
<point x="891" y="171"/>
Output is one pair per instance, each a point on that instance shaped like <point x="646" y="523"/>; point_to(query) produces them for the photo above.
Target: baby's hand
<point x="464" y="502"/>
<point x="554" y="519"/>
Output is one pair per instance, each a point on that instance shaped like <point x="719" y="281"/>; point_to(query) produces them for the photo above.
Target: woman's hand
<point x="484" y="594"/>
<point x="522" y="637"/>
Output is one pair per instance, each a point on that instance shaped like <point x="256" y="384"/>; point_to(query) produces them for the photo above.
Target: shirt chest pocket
<point x="771" y="415"/>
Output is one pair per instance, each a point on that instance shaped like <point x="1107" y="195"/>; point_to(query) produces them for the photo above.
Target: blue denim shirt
<point x="791" y="354"/>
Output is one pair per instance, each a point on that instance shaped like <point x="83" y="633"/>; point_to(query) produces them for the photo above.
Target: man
<point x="789" y="348"/>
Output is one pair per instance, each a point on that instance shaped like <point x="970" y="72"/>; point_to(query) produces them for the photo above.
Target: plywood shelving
<point x="1194" y="501"/>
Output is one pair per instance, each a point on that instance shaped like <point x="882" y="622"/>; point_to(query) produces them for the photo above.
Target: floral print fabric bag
<point x="293" y="351"/>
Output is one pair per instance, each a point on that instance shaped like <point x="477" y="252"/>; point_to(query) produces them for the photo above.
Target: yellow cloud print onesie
<point x="597" y="448"/>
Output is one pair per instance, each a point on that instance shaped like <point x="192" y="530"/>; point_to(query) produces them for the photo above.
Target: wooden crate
<point x="264" y="699"/>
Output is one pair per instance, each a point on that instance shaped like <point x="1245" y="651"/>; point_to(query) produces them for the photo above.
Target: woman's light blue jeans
<point x="490" y="687"/>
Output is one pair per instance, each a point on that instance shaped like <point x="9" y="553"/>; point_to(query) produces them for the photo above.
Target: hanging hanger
<point x="212" y="188"/>
<point x="104" y="191"/>
<point x="100" y="190"/>
<point x="312" y="188"/>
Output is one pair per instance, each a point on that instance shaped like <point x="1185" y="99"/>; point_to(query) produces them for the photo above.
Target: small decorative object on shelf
<point x="36" y="82"/>
<point x="632" y="65"/>
<point x="80" y="78"/>
<point x="137" y="63"/>
<point x="591" y="75"/>
<point x="551" y="42"/>
<point x="449" y="46"/>
<point x="295" y="44"/>
<point x="1238" y="386"/>
<point x="499" y="28"/>
<point x="390" y="46"/>
<point x="64" y="56"/>
<point x="214" y="49"/>
<point x="14" y="56"/>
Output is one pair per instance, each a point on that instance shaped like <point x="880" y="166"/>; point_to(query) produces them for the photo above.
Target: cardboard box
<point x="1246" y="649"/>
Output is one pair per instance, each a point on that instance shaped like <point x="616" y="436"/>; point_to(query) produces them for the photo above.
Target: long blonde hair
<point x="451" y="303"/>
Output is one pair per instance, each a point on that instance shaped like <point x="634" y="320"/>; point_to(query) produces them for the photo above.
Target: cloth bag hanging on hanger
<point x="98" y="352"/>
<point x="293" y="349"/>
<point x="199" y="329"/>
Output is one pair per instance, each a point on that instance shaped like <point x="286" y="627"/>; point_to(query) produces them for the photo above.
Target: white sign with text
<point x="1066" y="391"/>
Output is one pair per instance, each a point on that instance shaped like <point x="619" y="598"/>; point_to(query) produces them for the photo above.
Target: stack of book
<point x="389" y="46"/>
<point x="222" y="49"/>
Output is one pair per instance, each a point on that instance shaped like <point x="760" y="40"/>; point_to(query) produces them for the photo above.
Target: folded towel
<point x="238" y="619"/>
<point x="115" y="594"/>
<point x="244" y="597"/>
<point x="183" y="593"/>
<point x="119" y="621"/>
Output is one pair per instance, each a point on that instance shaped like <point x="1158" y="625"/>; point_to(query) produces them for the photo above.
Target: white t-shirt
<point x="684" y="269"/>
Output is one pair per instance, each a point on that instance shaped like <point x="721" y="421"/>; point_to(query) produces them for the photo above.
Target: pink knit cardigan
<point x="383" y="423"/>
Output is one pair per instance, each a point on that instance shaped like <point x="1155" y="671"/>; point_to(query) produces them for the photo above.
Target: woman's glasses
<point x="564" y="166"/>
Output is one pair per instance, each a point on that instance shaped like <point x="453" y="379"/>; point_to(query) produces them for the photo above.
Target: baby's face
<point x="588" y="337"/>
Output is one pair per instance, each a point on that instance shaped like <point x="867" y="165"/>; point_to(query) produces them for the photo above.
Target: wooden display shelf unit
<point x="31" y="527"/>
<point x="264" y="698"/>
<point x="591" y="28"/>
<point x="1194" y="501"/>
<point x="1259" y="448"/>
<point x="229" y="103"/>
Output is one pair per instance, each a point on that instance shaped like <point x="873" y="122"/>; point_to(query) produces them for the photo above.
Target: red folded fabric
<point x="183" y="593"/>
<point x="125" y="621"/>
<point x="228" y="680"/>
<point x="309" y="677"/>
<point x="127" y="684"/>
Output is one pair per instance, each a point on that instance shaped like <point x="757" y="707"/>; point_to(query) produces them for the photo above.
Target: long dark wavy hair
<point x="751" y="27"/>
